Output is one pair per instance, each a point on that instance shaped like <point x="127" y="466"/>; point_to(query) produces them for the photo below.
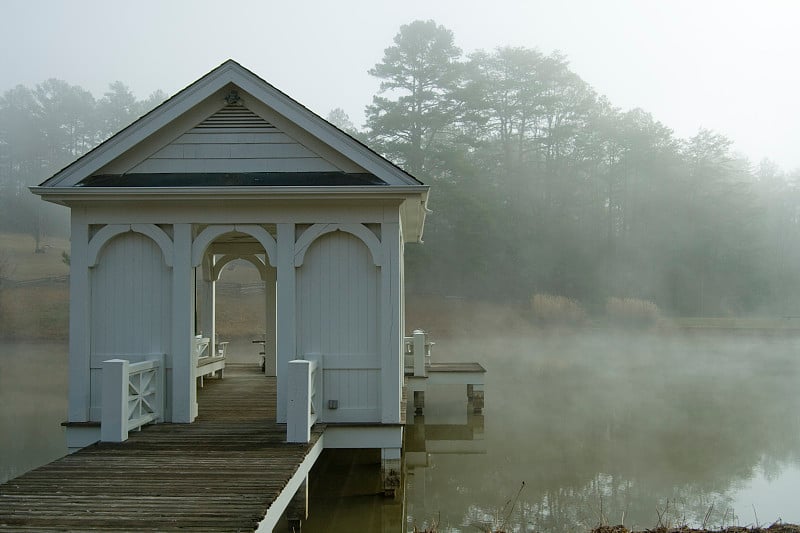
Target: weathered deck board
<point x="220" y="473"/>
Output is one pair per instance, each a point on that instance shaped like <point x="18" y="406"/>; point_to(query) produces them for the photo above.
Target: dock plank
<point x="220" y="473"/>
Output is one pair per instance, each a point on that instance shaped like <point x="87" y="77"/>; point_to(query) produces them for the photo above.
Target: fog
<point x="614" y="230"/>
<point x="606" y="427"/>
<point x="724" y="65"/>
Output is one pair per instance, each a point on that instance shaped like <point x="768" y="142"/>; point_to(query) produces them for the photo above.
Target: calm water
<point x="620" y="429"/>
<point x="599" y="427"/>
<point x="33" y="403"/>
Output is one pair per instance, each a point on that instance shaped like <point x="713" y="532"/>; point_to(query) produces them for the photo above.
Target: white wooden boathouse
<point x="232" y="168"/>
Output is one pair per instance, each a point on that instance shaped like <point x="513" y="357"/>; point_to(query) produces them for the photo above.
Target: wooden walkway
<point x="221" y="473"/>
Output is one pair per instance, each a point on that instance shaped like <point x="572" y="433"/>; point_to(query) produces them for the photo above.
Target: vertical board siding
<point x="131" y="303"/>
<point x="337" y="316"/>
<point x="234" y="139"/>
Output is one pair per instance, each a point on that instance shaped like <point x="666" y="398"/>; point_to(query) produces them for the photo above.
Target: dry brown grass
<point x="35" y="312"/>
<point x="552" y="309"/>
<point x="240" y="316"/>
<point x="445" y="316"/>
<point x="18" y="250"/>
<point x="632" y="311"/>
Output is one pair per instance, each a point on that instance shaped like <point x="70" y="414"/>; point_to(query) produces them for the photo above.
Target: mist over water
<point x="612" y="427"/>
<point x="33" y="403"/>
<point x="601" y="426"/>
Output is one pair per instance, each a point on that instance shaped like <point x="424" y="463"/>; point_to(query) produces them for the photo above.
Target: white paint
<point x="133" y="395"/>
<point x="242" y="140"/>
<point x="333" y="271"/>
<point x="364" y="437"/>
<point x="130" y="304"/>
<point x="280" y="503"/>
<point x="183" y="388"/>
<point x="338" y="312"/>
<point x="79" y="320"/>
<point x="301" y="410"/>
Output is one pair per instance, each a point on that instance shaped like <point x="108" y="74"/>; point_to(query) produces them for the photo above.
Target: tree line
<point x="539" y="184"/>
<point x="43" y="129"/>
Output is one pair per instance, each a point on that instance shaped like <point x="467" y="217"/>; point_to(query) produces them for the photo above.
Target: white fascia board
<point x="66" y="194"/>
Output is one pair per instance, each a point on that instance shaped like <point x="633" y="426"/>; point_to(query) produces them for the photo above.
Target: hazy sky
<point x="727" y="65"/>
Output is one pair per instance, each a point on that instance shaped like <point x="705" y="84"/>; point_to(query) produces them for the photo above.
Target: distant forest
<point x="538" y="184"/>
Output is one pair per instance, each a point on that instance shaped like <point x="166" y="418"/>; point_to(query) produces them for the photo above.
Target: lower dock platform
<point x="230" y="470"/>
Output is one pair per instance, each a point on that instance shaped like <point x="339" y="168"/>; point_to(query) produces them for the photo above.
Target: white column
<point x="391" y="342"/>
<point x="270" y="348"/>
<point x="79" y="319"/>
<point x="286" y="316"/>
<point x="184" y="390"/>
<point x="114" y="426"/>
<point x="207" y="305"/>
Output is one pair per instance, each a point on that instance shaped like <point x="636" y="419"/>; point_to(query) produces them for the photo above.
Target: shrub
<point x="557" y="309"/>
<point x="632" y="311"/>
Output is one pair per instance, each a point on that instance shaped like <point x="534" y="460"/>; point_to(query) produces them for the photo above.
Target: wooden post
<point x="298" y="427"/>
<point x="419" y="353"/>
<point x="477" y="399"/>
<point x="297" y="510"/>
<point x="391" y="339"/>
<point x="419" y="402"/>
<point x="79" y="319"/>
<point x="286" y="340"/>
<point x="114" y="418"/>
<point x="390" y="471"/>
<point x="270" y="366"/>
<point x="184" y="389"/>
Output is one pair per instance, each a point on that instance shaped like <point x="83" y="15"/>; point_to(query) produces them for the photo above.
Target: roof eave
<point x="66" y="194"/>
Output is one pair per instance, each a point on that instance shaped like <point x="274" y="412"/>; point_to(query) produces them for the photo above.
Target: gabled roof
<point x="88" y="169"/>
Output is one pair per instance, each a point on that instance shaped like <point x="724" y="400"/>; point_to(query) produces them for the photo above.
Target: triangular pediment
<point x="231" y="128"/>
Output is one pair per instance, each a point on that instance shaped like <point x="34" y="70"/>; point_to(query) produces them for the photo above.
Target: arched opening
<point x="235" y="295"/>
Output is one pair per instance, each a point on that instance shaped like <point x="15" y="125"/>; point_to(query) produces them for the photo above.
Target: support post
<point x="297" y="510"/>
<point x="419" y="353"/>
<point x="114" y="414"/>
<point x="270" y="349"/>
<point x="286" y="340"/>
<point x="391" y="339"/>
<point x="477" y="399"/>
<point x="390" y="471"/>
<point x="79" y="319"/>
<point x="184" y="388"/>
<point x="419" y="401"/>
<point x="298" y="423"/>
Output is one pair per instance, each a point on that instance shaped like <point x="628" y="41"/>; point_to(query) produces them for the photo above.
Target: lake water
<point x="600" y="427"/>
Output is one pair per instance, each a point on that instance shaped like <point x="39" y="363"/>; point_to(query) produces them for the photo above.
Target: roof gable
<point x="230" y="121"/>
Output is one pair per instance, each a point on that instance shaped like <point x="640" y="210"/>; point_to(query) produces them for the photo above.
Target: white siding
<point x="234" y="139"/>
<point x="337" y="317"/>
<point x="130" y="305"/>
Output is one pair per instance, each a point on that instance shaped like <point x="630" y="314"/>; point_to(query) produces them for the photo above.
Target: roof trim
<point x="229" y="72"/>
<point x="60" y="194"/>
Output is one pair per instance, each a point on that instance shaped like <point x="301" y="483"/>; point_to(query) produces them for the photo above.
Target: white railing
<point x="133" y="395"/>
<point x="304" y="390"/>
<point x="417" y="352"/>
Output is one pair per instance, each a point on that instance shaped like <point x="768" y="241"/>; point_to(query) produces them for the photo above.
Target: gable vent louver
<point x="237" y="117"/>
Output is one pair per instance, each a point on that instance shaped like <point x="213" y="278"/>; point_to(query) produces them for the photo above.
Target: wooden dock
<point x="225" y="472"/>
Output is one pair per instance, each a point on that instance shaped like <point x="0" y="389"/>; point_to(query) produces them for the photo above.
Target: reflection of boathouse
<point x="231" y="168"/>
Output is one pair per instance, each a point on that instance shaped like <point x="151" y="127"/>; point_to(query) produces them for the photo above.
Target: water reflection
<point x="639" y="428"/>
<point x="600" y="427"/>
<point x="33" y="403"/>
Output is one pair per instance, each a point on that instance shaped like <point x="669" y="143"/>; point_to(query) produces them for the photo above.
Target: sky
<point x="728" y="65"/>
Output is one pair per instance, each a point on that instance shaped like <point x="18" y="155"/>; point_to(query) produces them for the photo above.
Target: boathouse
<point x="232" y="168"/>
